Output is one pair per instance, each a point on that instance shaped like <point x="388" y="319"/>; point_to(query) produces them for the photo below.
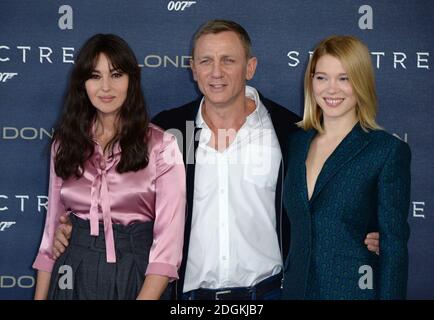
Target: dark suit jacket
<point x="283" y="122"/>
<point x="363" y="186"/>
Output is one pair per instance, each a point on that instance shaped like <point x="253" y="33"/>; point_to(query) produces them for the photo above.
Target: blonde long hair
<point x="356" y="60"/>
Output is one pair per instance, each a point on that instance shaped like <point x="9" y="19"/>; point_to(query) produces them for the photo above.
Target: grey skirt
<point x="82" y="271"/>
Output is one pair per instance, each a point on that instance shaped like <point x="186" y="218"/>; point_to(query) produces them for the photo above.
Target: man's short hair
<point x="217" y="26"/>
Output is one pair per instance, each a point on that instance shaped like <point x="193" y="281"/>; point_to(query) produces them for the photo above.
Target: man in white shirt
<point x="234" y="197"/>
<point x="234" y="147"/>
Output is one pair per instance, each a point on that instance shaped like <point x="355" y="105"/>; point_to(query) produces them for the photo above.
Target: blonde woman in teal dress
<point x="345" y="177"/>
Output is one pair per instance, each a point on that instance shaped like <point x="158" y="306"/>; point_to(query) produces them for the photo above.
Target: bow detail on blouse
<point x="100" y="199"/>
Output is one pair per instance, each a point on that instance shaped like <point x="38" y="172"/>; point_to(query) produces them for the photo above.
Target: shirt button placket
<point x="223" y="216"/>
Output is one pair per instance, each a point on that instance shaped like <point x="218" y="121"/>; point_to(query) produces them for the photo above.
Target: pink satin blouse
<point x="155" y="193"/>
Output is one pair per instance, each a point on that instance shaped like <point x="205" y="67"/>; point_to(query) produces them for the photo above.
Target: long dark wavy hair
<point x="73" y="136"/>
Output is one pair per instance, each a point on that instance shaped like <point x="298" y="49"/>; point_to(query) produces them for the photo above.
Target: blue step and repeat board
<point x="39" y="39"/>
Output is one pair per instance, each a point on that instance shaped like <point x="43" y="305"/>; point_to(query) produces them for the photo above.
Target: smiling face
<point x="332" y="89"/>
<point x="107" y="88"/>
<point x="220" y="67"/>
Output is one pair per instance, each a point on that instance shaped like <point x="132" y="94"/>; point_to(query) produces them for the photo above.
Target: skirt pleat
<point x="92" y="277"/>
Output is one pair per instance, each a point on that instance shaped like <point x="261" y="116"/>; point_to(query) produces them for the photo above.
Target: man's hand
<point x="372" y="241"/>
<point x="61" y="236"/>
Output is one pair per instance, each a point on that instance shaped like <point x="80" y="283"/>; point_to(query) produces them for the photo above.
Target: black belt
<point x="239" y="293"/>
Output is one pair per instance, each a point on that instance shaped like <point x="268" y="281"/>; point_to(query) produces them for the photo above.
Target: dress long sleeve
<point x="394" y="200"/>
<point x="170" y="194"/>
<point x="44" y="261"/>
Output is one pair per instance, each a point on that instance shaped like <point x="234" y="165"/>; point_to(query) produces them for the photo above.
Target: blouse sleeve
<point x="44" y="261"/>
<point x="393" y="207"/>
<point x="170" y="199"/>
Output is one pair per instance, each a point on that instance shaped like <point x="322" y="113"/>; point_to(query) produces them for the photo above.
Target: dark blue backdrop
<point x="38" y="40"/>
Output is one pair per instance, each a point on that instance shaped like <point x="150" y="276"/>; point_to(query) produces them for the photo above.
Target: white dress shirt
<point x="233" y="240"/>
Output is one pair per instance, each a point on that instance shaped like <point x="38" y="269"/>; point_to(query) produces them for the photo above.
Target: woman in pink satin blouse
<point x="121" y="179"/>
